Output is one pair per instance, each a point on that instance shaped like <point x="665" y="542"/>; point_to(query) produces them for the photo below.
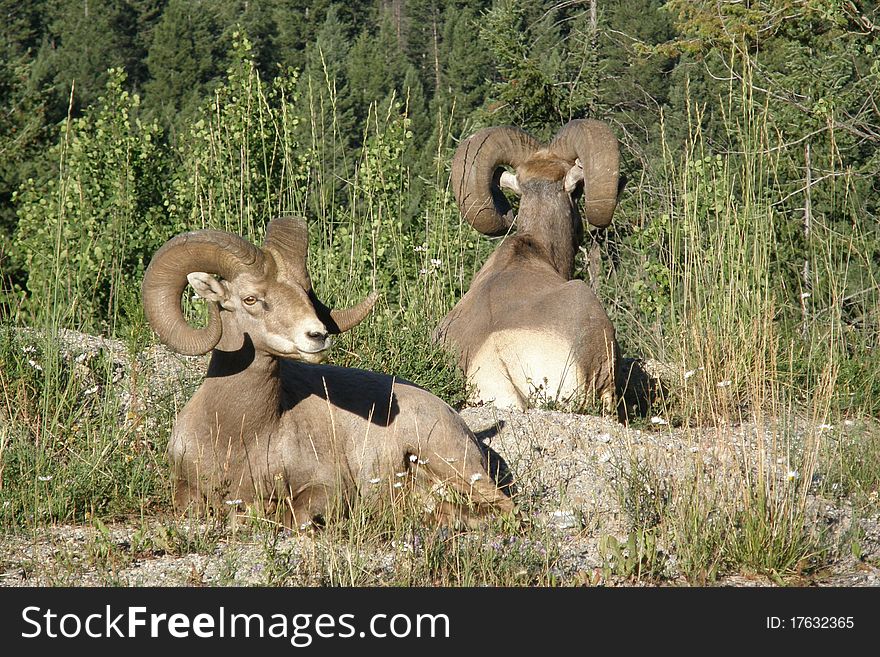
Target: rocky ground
<point x="576" y="476"/>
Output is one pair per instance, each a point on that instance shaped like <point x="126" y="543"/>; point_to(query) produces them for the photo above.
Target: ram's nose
<point x="320" y="336"/>
<point x="315" y="339"/>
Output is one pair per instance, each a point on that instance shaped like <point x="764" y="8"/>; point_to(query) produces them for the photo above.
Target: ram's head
<point x="582" y="158"/>
<point x="267" y="290"/>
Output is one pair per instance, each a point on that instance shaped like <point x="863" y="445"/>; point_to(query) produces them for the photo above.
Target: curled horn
<point x="287" y="241"/>
<point x="212" y="251"/>
<point x="593" y="143"/>
<point x="476" y="173"/>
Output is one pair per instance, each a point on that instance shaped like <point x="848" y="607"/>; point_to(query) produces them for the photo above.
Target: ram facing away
<point x="268" y="426"/>
<point x="525" y="332"/>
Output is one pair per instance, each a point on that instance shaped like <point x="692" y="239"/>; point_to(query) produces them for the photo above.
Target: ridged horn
<point x="476" y="172"/>
<point x="211" y="251"/>
<point x="287" y="240"/>
<point x="594" y="144"/>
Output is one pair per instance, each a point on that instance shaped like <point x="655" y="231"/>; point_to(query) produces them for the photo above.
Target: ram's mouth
<point x="315" y="355"/>
<point x="314" y="351"/>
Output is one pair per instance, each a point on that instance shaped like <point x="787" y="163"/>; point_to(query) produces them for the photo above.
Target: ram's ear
<point x="574" y="177"/>
<point x="508" y="180"/>
<point x="207" y="287"/>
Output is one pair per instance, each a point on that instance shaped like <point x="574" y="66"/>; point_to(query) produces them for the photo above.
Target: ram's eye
<point x="249" y="301"/>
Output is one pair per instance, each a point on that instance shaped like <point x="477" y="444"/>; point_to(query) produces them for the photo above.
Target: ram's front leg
<point x="307" y="507"/>
<point x="186" y="498"/>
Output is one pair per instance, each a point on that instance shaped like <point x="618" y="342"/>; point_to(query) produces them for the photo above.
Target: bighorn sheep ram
<point x="525" y="329"/>
<point x="268" y="426"/>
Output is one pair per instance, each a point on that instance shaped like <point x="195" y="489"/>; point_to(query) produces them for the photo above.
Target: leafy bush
<point x="86" y="233"/>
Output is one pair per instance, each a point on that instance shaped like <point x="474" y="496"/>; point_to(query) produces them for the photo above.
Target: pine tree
<point x="375" y="69"/>
<point x="90" y="37"/>
<point x="330" y="127"/>
<point x="539" y="85"/>
<point x="185" y="61"/>
<point x="23" y="97"/>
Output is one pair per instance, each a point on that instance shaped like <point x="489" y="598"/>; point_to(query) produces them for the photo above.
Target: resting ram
<point x="270" y="427"/>
<point x="525" y="332"/>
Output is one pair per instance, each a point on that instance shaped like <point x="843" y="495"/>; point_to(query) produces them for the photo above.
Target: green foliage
<point x="86" y="233"/>
<point x="638" y="558"/>
<point x="184" y="62"/>
<point x="241" y="163"/>
<point x="541" y="86"/>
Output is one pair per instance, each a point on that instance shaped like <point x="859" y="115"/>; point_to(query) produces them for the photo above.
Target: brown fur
<point x="523" y="309"/>
<point x="543" y="166"/>
<point x="304" y="440"/>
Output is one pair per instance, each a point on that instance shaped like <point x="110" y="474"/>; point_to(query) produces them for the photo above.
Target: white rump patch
<point x="520" y="368"/>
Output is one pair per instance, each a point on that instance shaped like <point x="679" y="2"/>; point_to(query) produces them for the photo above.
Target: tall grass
<point x="746" y="291"/>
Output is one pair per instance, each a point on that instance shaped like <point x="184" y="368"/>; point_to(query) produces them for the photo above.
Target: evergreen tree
<point x="331" y="125"/>
<point x="185" y="61"/>
<point x="149" y="13"/>
<point x="298" y="23"/>
<point x="375" y="69"/>
<point x="88" y="38"/>
<point x="466" y="64"/>
<point x="540" y="82"/>
<point x="23" y="97"/>
<point x="257" y="21"/>
<point x="634" y="77"/>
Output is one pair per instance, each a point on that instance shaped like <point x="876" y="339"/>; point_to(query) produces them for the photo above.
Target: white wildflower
<point x="805" y="295"/>
<point x="421" y="248"/>
<point x="423" y="461"/>
<point x="35" y="364"/>
<point x="91" y="391"/>
<point x="724" y="384"/>
<point x="375" y="480"/>
<point x="305" y="525"/>
<point x="793" y="474"/>
<point x="658" y="420"/>
<point x="689" y="374"/>
<point x="413" y="458"/>
<point x="475" y="478"/>
<point x="81" y="358"/>
<point x="423" y="272"/>
<point x="46" y="478"/>
<point x="436" y="263"/>
<point x="397" y="484"/>
<point x="694" y="450"/>
<point x="604" y="438"/>
<point x="605" y="458"/>
<point x="825" y="427"/>
<point x="233" y="502"/>
<point x="400" y="474"/>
